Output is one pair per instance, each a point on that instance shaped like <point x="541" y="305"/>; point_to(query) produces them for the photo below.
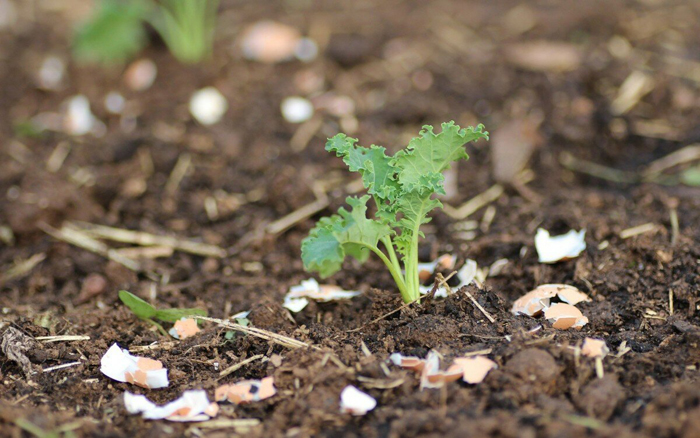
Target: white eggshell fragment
<point x="208" y="105"/>
<point x="121" y="366"/>
<point x="191" y="406"/>
<point x="552" y="249"/>
<point x="296" y="109"/>
<point x="298" y="296"/>
<point x="355" y="402"/>
<point x="78" y="119"/>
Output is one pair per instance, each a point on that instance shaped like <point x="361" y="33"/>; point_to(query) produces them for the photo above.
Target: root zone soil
<point x="404" y="64"/>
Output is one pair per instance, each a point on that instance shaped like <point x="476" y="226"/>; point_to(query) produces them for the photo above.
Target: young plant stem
<point x="412" y="273"/>
<point x="395" y="272"/>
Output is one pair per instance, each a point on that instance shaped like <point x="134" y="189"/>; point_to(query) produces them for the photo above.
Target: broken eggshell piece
<point x="538" y="299"/>
<point x="184" y="328"/>
<point x="564" y="316"/>
<point x="466" y="274"/>
<point x="271" y="42"/>
<point x="121" y="366"/>
<point x="552" y="249"/>
<point x="355" y="402"/>
<point x="433" y="377"/>
<point x="296" y="299"/>
<point x="408" y="362"/>
<point x="246" y="391"/>
<point x="474" y="369"/>
<point x="594" y="348"/>
<point x="191" y="406"/>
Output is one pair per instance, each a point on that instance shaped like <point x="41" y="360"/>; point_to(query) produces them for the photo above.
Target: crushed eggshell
<point x="246" y="391"/>
<point x="408" y="362"/>
<point x="569" y="294"/>
<point x="444" y="262"/>
<point x="433" y="377"/>
<point x="355" y="402"/>
<point x="208" y="105"/>
<point x="564" y="316"/>
<point x="121" y="366"/>
<point x="474" y="369"/>
<point x="271" y="42"/>
<point x="538" y="299"/>
<point x="297" y="298"/>
<point x="140" y="75"/>
<point x="296" y="109"/>
<point x="114" y="102"/>
<point x="594" y="348"/>
<point x="466" y="274"/>
<point x="51" y="73"/>
<point x="78" y="119"/>
<point x="552" y="249"/>
<point x="184" y="328"/>
<point x="191" y="406"/>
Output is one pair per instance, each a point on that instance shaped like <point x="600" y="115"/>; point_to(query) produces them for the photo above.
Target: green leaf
<point x="691" y="176"/>
<point x="174" y="315"/>
<point x="140" y="308"/>
<point x="114" y="34"/>
<point x="372" y="163"/>
<point x="349" y="233"/>
<point x="433" y="153"/>
<point x="414" y="207"/>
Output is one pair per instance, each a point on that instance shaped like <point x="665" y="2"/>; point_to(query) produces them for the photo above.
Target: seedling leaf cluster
<point x="116" y="31"/>
<point x="403" y="187"/>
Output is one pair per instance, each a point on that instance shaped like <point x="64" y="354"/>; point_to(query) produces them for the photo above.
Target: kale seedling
<point x="148" y="313"/>
<point x="403" y="189"/>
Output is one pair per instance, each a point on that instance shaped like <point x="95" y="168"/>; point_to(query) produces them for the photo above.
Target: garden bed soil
<point x="644" y="289"/>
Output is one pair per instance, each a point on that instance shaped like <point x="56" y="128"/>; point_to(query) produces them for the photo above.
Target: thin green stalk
<point x="395" y="273"/>
<point x="412" y="275"/>
<point x="389" y="244"/>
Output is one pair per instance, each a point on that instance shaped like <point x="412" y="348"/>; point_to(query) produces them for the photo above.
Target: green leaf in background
<point x="140" y="308"/>
<point x="114" y="33"/>
<point x="174" y="315"/>
<point x="691" y="177"/>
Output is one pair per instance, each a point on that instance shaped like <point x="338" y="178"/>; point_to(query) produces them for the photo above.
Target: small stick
<point x="260" y="333"/>
<point x="596" y="170"/>
<point x="64" y="338"/>
<point x="478" y="352"/>
<point x="675" y="229"/>
<point x="478" y="306"/>
<point x="21" y="268"/>
<point x="178" y="173"/>
<point x="640" y="229"/>
<point x="474" y="204"/>
<point x="386" y="315"/>
<point x="681" y="156"/>
<point x="297" y="216"/>
<point x="146" y="239"/>
<point x="226" y="423"/>
<point x="237" y="366"/>
<point x="58" y="367"/>
<point x="670" y="301"/>
<point x="58" y="156"/>
<point x="599" y="372"/>
<point x="305" y="133"/>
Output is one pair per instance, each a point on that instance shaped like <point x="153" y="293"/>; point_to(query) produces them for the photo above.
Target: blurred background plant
<point x="117" y="30"/>
<point x="187" y="27"/>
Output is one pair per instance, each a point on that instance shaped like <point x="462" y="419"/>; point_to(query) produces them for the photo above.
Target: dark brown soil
<point x="405" y="64"/>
